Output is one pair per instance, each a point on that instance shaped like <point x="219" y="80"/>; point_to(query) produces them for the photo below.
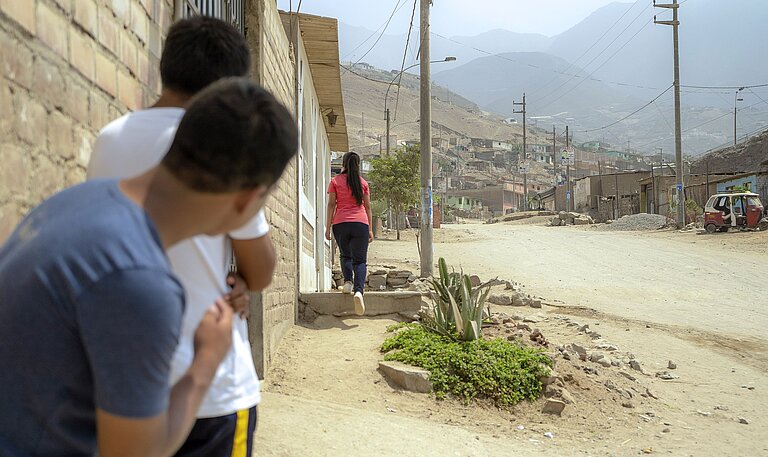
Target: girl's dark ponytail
<point x="351" y="164"/>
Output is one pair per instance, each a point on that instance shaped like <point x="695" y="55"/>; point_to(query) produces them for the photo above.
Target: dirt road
<point x="661" y="296"/>
<point x="710" y="283"/>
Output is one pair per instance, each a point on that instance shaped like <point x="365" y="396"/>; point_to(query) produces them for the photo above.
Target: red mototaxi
<point x="742" y="210"/>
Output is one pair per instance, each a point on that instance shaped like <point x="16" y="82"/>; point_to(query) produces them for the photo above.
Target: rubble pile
<point x="571" y="218"/>
<point x="382" y="279"/>
<point x="637" y="222"/>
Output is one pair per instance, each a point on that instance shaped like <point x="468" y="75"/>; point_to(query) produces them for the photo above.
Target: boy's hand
<point x="239" y="298"/>
<point x="213" y="337"/>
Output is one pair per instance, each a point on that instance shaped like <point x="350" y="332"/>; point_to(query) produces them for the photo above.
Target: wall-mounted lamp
<point x="331" y="117"/>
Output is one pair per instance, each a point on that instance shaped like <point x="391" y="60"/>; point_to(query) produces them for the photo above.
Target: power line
<point x="498" y="56"/>
<point x="753" y="86"/>
<point x="601" y="53"/>
<point x="349" y="69"/>
<point x="598" y="68"/>
<point x="572" y="64"/>
<point x="629" y="115"/>
<point x="405" y="54"/>
<point x="383" y="29"/>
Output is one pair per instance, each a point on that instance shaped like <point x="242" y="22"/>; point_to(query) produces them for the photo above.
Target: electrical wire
<point x="598" y="68"/>
<point x="599" y="54"/>
<point x="386" y="24"/>
<point x="405" y="54"/>
<point x="753" y="86"/>
<point x="629" y="115"/>
<point x="573" y="64"/>
<point x="498" y="56"/>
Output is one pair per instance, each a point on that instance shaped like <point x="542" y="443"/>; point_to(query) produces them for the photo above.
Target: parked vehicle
<point x="742" y="210"/>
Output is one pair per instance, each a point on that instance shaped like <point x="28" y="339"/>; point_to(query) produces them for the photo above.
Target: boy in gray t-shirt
<point x="89" y="310"/>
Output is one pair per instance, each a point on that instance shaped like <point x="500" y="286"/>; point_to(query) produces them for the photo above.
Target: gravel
<point x="637" y="222"/>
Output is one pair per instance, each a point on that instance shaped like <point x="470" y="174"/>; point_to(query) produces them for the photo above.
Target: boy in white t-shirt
<point x="198" y="52"/>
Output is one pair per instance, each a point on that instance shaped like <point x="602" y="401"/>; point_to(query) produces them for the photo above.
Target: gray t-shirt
<point x="90" y="316"/>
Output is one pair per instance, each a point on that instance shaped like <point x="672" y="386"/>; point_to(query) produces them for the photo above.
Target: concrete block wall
<point x="68" y="67"/>
<point x="275" y="312"/>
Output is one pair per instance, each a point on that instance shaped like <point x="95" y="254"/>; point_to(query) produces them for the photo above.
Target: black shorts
<point x="224" y="436"/>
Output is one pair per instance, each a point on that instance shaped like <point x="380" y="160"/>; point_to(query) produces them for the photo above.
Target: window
<point x="232" y="11"/>
<point x="754" y="201"/>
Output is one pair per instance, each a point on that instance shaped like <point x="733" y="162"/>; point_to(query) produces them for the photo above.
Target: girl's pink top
<point x="347" y="209"/>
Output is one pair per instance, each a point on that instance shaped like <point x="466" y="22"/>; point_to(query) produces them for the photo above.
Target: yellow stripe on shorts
<point x="240" y="445"/>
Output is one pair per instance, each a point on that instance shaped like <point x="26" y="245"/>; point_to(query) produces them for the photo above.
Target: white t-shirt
<point x="131" y="145"/>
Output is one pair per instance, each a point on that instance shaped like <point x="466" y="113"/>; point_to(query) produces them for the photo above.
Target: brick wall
<point x="67" y="67"/>
<point x="275" y="312"/>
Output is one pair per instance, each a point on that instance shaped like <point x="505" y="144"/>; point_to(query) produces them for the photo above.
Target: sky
<point x="458" y="17"/>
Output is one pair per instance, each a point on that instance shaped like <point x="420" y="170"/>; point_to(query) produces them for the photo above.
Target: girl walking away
<point x="349" y="215"/>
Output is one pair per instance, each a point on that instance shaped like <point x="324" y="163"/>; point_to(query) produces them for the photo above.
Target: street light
<point x="736" y="99"/>
<point x="386" y="94"/>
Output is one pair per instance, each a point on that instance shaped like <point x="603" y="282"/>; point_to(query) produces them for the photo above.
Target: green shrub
<point x="492" y="369"/>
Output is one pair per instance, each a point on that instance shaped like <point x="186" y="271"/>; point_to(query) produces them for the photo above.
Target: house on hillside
<point x="609" y="196"/>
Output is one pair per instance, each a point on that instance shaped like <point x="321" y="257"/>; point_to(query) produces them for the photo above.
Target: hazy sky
<point x="458" y="17"/>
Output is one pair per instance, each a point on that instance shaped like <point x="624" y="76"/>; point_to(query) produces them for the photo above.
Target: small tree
<point x="395" y="179"/>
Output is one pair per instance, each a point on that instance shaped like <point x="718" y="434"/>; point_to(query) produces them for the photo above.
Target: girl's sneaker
<point x="348" y="287"/>
<point x="359" y="304"/>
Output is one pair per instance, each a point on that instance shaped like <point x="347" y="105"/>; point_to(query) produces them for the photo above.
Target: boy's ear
<point x="245" y="198"/>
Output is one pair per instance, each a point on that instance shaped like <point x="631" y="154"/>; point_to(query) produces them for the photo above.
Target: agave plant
<point x="456" y="305"/>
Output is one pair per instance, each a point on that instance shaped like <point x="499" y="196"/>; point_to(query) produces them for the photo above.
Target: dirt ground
<point x="657" y="296"/>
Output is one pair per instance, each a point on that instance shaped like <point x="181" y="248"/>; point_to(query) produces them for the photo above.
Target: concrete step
<point x="376" y="303"/>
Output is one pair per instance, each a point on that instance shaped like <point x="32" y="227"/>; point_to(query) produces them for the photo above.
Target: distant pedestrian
<point x="349" y="216"/>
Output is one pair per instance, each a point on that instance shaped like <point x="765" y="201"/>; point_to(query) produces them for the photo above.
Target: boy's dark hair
<point x="201" y="50"/>
<point x="233" y="136"/>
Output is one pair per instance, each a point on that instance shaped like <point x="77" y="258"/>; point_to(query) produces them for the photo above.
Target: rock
<point x="596" y="356"/>
<point x="581" y="221"/>
<point x="608" y="347"/>
<point x="550" y="379"/>
<point x="628" y="404"/>
<point x="553" y="406"/>
<point x="671" y="365"/>
<point x="549" y="435"/>
<point x="555" y="222"/>
<point x="594" y="335"/>
<point x="635" y="365"/>
<point x="627" y="375"/>
<point x="579" y="350"/>
<point x="666" y="375"/>
<point x="650" y="393"/>
<point x="500" y="299"/>
<point x="412" y="278"/>
<point x="410" y="378"/>
<point x="743" y="420"/>
<point x="396" y="281"/>
<point x="666" y="430"/>
<point x="525" y="327"/>
<point x="537" y="337"/>
<point x="584" y="328"/>
<point x="405" y="274"/>
<point x="377" y="282"/>
<point x="378" y="272"/>
<point x="567" y="397"/>
<point x="604" y="362"/>
<point x="704" y="413"/>
<point x="535" y="303"/>
<point x="615" y="362"/>
<point x="475" y="280"/>
<point x="562" y="215"/>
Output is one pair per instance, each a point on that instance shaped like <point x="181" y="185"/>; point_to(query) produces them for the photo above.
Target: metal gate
<point x="232" y="11"/>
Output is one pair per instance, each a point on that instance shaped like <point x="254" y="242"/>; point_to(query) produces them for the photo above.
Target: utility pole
<point x="568" y="195"/>
<point x="525" y="151"/>
<point x="675" y="23"/>
<point x="554" y="161"/>
<point x="655" y="188"/>
<point x="386" y="113"/>
<point x="618" y="207"/>
<point x="425" y="96"/>
<point x="736" y="99"/>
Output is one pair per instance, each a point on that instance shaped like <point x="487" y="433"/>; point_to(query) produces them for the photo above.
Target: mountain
<point x="388" y="52"/>
<point x="606" y="67"/>
<point x="721" y="43"/>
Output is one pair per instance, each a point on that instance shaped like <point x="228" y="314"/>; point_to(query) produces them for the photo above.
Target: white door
<point x="307" y="189"/>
